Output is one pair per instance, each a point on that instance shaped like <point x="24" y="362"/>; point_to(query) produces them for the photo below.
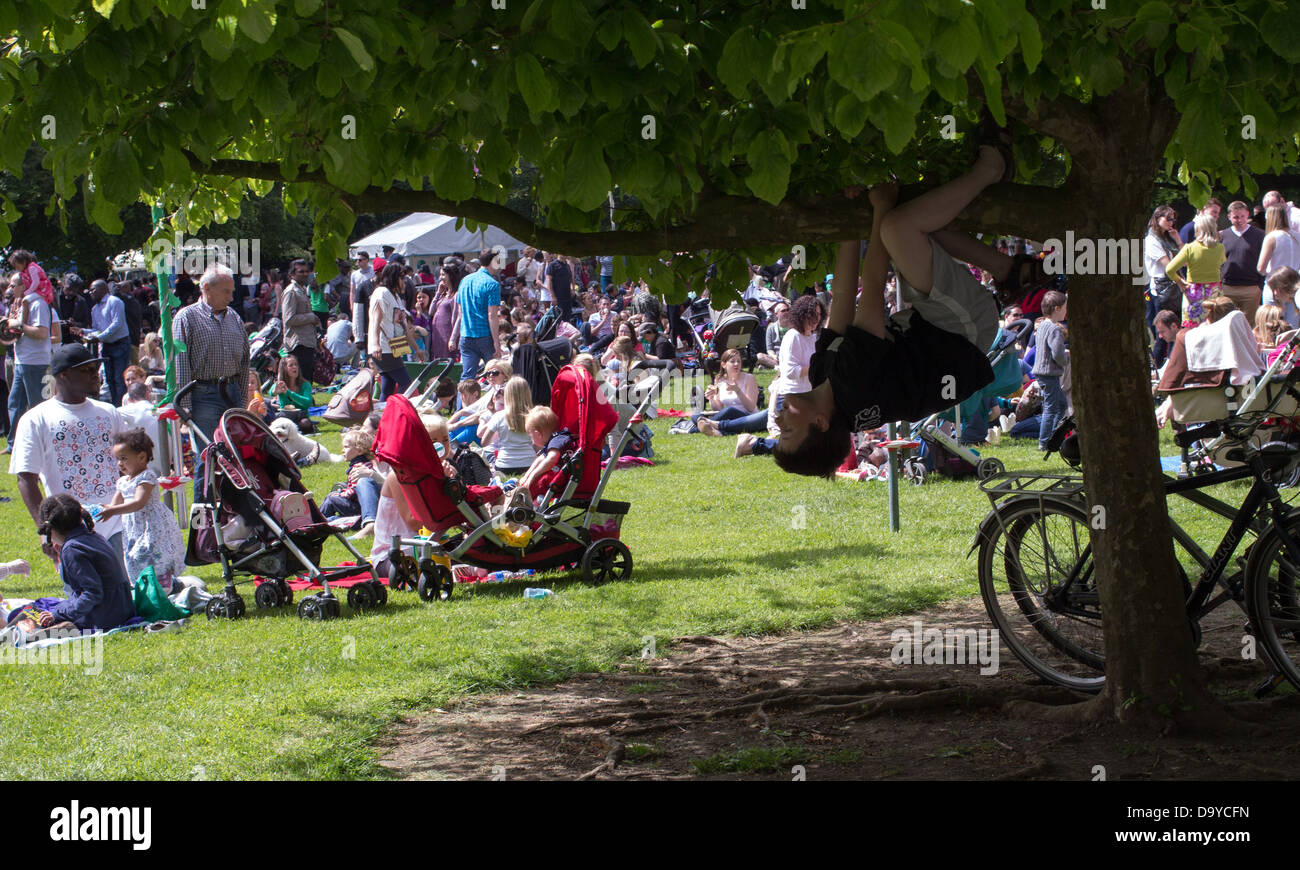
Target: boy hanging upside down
<point x="869" y="369"/>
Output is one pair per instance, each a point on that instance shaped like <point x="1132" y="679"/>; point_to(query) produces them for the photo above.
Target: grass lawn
<point x="719" y="548"/>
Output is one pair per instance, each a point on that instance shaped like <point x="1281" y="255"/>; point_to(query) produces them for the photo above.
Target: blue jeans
<point x="733" y="420"/>
<point x="393" y="381"/>
<point x="206" y="407"/>
<point x="1054" y="405"/>
<point x="764" y="446"/>
<point x="25" y="392"/>
<point x="473" y="352"/>
<point x="1026" y="428"/>
<point x="368" y="498"/>
<point x="117" y="356"/>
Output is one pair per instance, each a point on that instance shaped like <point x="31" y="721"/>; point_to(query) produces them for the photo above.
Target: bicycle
<point x="1037" y="576"/>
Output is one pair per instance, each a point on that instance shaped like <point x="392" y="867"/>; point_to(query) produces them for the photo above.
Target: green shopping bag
<point x="151" y="603"/>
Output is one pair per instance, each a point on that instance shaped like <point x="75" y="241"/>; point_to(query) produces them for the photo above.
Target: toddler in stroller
<point x="564" y="521"/>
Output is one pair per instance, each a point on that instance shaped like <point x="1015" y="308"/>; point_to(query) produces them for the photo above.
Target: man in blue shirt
<point x="1188" y="232"/>
<point x="479" y="301"/>
<point x="108" y="326"/>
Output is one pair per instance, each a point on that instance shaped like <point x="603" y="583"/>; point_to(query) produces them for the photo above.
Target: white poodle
<point x="300" y="447"/>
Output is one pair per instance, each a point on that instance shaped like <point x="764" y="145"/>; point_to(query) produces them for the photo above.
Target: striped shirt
<point x="218" y="348"/>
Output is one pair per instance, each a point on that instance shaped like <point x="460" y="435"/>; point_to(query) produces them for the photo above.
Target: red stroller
<point x="256" y="518"/>
<point x="569" y="525"/>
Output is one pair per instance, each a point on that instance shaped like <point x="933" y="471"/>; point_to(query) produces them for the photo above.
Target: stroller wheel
<point x="318" y="608"/>
<point x="267" y="596"/>
<point x="915" y="470"/>
<point x="397" y="578"/>
<point x="435" y="582"/>
<point x="605" y="560"/>
<point x="225" y="606"/>
<point x="286" y="594"/>
<point x="361" y="597"/>
<point x="989" y="467"/>
<point x="381" y="592"/>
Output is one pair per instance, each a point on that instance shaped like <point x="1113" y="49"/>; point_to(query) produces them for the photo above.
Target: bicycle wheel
<point x="1273" y="599"/>
<point x="1039" y="587"/>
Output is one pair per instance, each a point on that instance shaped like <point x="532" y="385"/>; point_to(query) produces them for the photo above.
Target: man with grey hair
<point x="217" y="349"/>
<point x="1273" y="198"/>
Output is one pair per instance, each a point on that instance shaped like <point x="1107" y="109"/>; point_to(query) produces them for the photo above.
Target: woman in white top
<point x="1281" y="245"/>
<point x="505" y="429"/>
<point x="388" y="319"/>
<point x="734" y="395"/>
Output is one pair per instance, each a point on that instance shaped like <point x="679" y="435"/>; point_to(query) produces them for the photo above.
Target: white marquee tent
<point x="425" y="234"/>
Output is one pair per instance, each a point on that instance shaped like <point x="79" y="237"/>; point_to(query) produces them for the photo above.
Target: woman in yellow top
<point x="1204" y="259"/>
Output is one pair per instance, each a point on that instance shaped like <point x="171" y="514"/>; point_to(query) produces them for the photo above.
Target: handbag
<point x="151" y="603"/>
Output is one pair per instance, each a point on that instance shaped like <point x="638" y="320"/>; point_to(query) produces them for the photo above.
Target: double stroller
<point x="570" y="524"/>
<point x="255" y="517"/>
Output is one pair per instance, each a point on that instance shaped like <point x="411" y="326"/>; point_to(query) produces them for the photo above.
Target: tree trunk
<point x="1152" y="675"/>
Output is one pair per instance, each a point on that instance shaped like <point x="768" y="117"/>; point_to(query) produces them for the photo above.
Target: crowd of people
<point x="868" y="344"/>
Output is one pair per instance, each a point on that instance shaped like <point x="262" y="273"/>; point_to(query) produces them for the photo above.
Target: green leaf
<point x="571" y="21"/>
<point x="1031" y="41"/>
<point x="219" y="38"/>
<point x="1106" y="74"/>
<point x="641" y="37"/>
<point x="530" y="15"/>
<point x="740" y="62"/>
<point x="117" y="172"/>
<point x="610" y="32"/>
<point x="355" y="48"/>
<point x="894" y="117"/>
<point x="1280" y="30"/>
<point x="586" y="179"/>
<point x="804" y="55"/>
<point x="257" y="21"/>
<point x="347" y="167"/>
<point x="453" y="174"/>
<point x="175" y="166"/>
<point x="227" y="79"/>
<point x="104" y="7"/>
<point x="959" y="43"/>
<point x="769" y="165"/>
<point x="850" y="116"/>
<point x="328" y="80"/>
<point x="534" y="86"/>
<point x="305" y="8"/>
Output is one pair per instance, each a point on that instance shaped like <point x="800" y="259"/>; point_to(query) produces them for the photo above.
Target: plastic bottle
<point x="501" y="576"/>
<point x="537" y="593"/>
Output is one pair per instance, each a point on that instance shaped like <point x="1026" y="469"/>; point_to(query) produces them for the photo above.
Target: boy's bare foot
<point x="745" y="445"/>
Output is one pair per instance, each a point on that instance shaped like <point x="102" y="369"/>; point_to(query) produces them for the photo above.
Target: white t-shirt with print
<point x="514" y="449"/>
<point x="71" y="448"/>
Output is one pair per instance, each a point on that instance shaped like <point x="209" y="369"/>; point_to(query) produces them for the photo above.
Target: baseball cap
<point x="69" y="356"/>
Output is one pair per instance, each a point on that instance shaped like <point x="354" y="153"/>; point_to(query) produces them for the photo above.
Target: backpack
<point x="638" y="442"/>
<point x="352" y="403"/>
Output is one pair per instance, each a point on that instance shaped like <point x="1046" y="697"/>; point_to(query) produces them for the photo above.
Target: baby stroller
<point x="539" y="363"/>
<point x="942" y="447"/>
<point x="255" y="517"/>
<point x="719" y="331"/>
<point x="570" y="524"/>
<point x="264" y="352"/>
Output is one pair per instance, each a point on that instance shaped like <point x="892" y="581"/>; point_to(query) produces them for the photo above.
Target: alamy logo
<point x="74" y="823"/>
<point x="951" y="646"/>
<point x="1094" y="257"/>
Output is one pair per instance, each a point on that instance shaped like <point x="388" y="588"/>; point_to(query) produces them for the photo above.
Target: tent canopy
<point x="425" y="234"/>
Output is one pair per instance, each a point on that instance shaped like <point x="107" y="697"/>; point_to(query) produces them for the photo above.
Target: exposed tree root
<point x="701" y="639"/>
<point x="617" y="750"/>
<point x="1037" y="767"/>
<point x="967" y="697"/>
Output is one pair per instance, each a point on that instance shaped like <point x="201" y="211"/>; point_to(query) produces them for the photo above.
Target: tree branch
<point x="720" y="222"/>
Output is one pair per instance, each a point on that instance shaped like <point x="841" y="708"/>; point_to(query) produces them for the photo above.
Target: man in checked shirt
<point x="217" y="348"/>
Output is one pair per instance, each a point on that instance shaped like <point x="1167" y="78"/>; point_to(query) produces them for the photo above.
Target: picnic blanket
<point x="627" y="461"/>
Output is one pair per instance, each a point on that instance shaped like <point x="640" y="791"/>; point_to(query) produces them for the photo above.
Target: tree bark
<point x="1152" y="675"/>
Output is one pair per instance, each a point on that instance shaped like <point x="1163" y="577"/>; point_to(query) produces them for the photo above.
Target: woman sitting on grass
<point x="734" y="396"/>
<point x="292" y="394"/>
<point x="505" y="429"/>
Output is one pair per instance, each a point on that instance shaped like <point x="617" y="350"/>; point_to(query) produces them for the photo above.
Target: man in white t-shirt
<point x="66" y="442"/>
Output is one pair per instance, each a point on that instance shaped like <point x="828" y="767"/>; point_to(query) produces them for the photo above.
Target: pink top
<point x="35" y="281"/>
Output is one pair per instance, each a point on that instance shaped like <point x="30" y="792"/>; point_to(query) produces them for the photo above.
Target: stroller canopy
<point x="404" y="443"/>
<point x="585" y="411"/>
<point x="250" y="440"/>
